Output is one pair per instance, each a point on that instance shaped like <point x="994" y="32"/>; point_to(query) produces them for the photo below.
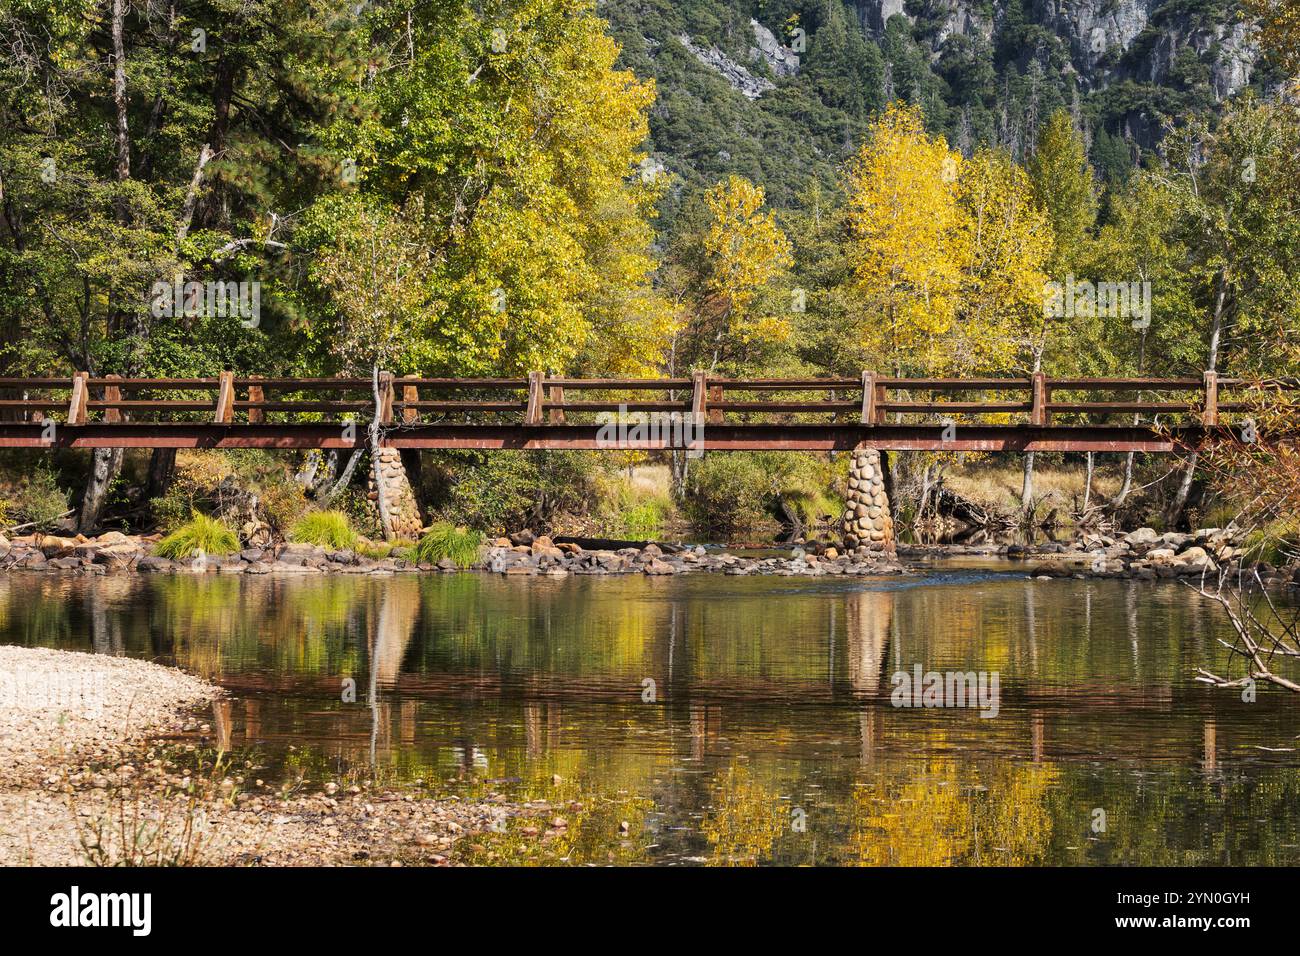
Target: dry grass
<point x="998" y="486"/>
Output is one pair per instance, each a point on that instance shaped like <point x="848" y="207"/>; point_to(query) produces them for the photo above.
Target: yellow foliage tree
<point x="746" y="251"/>
<point x="1279" y="30"/>
<point x="1007" y="242"/>
<point x="948" y="254"/>
<point x="908" y="240"/>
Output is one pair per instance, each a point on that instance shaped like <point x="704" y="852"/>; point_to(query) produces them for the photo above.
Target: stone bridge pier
<point x="868" y="523"/>
<point x="403" y="512"/>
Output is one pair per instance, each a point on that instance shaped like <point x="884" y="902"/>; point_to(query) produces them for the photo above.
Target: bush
<point x="730" y="492"/>
<point x="508" y="490"/>
<point x="325" y="529"/>
<point x="443" y="540"/>
<point x="636" y="505"/>
<point x="40" y="501"/>
<point x="200" y="535"/>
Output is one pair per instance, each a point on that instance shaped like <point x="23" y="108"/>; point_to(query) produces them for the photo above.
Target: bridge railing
<point x="539" y="400"/>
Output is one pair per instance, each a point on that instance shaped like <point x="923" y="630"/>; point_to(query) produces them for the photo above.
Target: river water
<point x="735" y="719"/>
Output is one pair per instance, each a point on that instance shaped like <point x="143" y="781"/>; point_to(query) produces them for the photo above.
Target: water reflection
<point x="768" y="737"/>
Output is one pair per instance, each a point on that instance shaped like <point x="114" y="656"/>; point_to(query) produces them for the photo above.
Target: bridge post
<point x="112" y="393"/>
<point x="410" y="393"/>
<point x="77" y="403"/>
<point x="534" y="414"/>
<point x="699" y="396"/>
<point x="1041" y="396"/>
<point x="386" y="398"/>
<point x="1210" y="411"/>
<point x="225" y="411"/>
<point x="256" y="396"/>
<point x="555" y="395"/>
<point x="868" y="521"/>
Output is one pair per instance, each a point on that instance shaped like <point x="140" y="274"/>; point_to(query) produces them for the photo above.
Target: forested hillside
<point x="985" y="72"/>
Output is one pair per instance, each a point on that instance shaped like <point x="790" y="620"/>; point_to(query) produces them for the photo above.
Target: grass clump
<point x="325" y="529"/>
<point x="444" y="540"/>
<point x="200" y="535"/>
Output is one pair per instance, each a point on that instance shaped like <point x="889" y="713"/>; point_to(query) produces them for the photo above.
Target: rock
<point x="655" y="566"/>
<point x="1142" y="536"/>
<point x="151" y="562"/>
<point x="53" y="546"/>
<point x="117" y="556"/>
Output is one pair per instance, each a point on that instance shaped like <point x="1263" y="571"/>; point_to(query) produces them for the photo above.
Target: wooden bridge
<point x="701" y="412"/>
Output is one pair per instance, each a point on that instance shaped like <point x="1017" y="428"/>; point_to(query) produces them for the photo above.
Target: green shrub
<point x="325" y="529"/>
<point x="40" y="501"/>
<point x="1278" y="542"/>
<point x="645" y="520"/>
<point x="443" y="540"/>
<point x="509" y="490"/>
<point x="635" y="505"/>
<point x="378" y="550"/>
<point x="732" y="492"/>
<point x="728" y="492"/>
<point x="812" y="507"/>
<point x="200" y="535"/>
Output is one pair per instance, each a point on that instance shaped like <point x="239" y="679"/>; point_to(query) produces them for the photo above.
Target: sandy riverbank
<point x="102" y="761"/>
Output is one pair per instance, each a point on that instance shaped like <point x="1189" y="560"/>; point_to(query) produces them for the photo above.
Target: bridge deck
<point x="696" y="413"/>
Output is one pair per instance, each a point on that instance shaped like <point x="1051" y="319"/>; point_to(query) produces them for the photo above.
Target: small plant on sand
<point x="444" y="540"/>
<point x="200" y="535"/>
<point x="325" y="529"/>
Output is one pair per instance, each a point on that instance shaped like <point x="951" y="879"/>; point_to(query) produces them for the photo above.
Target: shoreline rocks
<point x="1143" y="555"/>
<point x="520" y="554"/>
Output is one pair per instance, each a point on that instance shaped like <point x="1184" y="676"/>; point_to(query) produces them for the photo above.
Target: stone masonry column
<point x="403" y="512"/>
<point x="868" y="524"/>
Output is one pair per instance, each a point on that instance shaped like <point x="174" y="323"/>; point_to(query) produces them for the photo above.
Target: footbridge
<point x="700" y="413"/>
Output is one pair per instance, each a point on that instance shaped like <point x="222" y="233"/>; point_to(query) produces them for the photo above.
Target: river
<point x="731" y="719"/>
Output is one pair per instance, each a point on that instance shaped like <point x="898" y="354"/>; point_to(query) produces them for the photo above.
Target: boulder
<point x="1142" y="536"/>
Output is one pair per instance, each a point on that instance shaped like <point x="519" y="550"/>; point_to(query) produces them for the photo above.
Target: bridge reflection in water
<point x="770" y="694"/>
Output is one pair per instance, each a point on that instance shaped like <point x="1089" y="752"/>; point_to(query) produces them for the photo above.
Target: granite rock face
<point x="1107" y="41"/>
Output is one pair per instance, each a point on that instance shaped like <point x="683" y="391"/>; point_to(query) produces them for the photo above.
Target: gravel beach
<point x="85" y="780"/>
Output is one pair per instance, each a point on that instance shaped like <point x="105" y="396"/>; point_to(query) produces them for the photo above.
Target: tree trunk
<point x="1087" y="485"/>
<point x="376" y="434"/>
<point x="1126" y="487"/>
<point x="162" y="470"/>
<point x="105" y="465"/>
<point x="1174" y="514"/>
<point x="1027" y="487"/>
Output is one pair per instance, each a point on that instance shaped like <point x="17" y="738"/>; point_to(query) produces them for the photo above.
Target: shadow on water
<point x="752" y="718"/>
